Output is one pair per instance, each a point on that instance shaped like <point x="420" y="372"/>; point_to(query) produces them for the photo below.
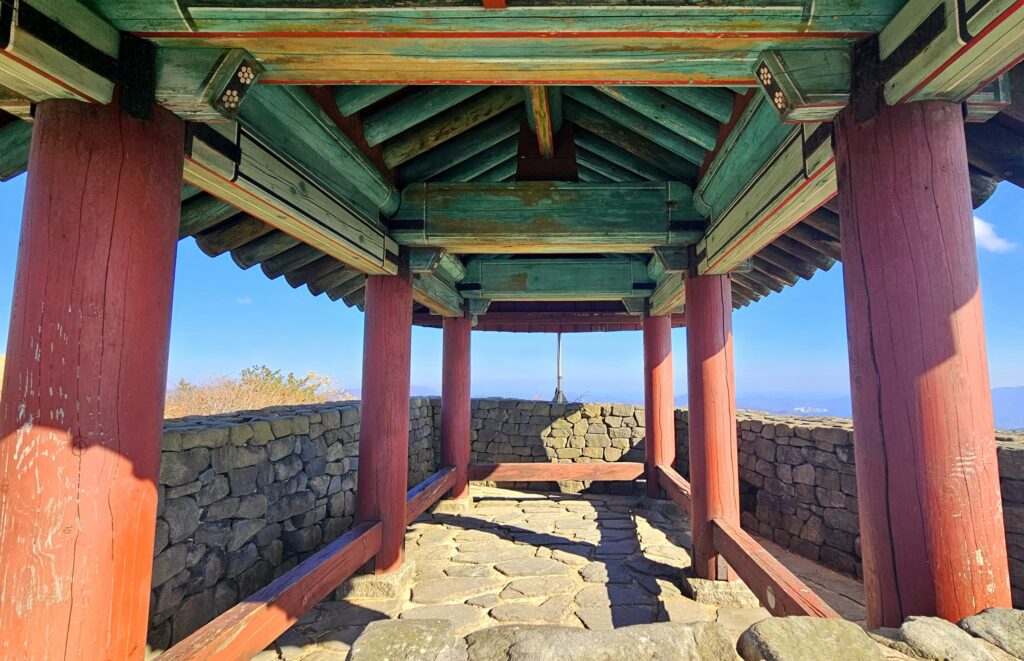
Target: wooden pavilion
<point x="517" y="165"/>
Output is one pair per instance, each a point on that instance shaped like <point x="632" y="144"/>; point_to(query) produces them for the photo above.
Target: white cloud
<point x="243" y="300"/>
<point x="985" y="233"/>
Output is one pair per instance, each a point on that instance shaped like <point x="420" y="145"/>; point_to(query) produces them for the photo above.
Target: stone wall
<point x="244" y="497"/>
<point x="514" y="430"/>
<point x="798" y="488"/>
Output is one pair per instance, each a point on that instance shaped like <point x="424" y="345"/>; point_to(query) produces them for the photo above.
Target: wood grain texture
<point x="778" y="590"/>
<point x="429" y="491"/>
<point x="931" y="522"/>
<point x="659" y="400"/>
<point x="82" y="403"/>
<point x="384" y="424"/>
<point x="245" y="630"/>
<point x="676" y="488"/>
<point x="455" y="400"/>
<point x="714" y="467"/>
<point x="545" y="472"/>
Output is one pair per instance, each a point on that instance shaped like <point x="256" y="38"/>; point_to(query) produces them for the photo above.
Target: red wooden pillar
<point x="82" y="402"/>
<point x="455" y="401"/>
<point x="659" y="407"/>
<point x="384" y="424"/>
<point x="931" y="521"/>
<point x="714" y="467"/>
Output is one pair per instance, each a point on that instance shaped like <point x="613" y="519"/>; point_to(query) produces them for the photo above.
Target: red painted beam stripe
<point x="428" y="492"/>
<point x="554" y="80"/>
<point x="484" y="34"/>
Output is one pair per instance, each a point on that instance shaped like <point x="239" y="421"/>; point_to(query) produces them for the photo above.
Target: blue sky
<point x="794" y="343"/>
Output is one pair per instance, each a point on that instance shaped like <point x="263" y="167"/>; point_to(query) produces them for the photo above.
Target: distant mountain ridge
<point x="1007" y="405"/>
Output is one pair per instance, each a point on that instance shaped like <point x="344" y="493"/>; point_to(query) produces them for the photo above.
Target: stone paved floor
<point x="591" y="561"/>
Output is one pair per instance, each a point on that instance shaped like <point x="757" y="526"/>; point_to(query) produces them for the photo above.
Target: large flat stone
<point x="452" y="589"/>
<point x="1002" y="627"/>
<point x="933" y="639"/>
<point x="806" y="639"/>
<point x="608" y="618"/>
<point x="666" y="641"/>
<point x="614" y="595"/>
<point x="525" y="588"/>
<point x="552" y="610"/>
<point x="393" y="585"/>
<point x="533" y="567"/>
<point x="409" y="640"/>
<point x="495" y="555"/>
<point x="464" y="618"/>
<point x="719" y="593"/>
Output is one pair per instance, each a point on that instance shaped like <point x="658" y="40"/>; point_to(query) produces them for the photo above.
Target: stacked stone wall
<point x="244" y="497"/>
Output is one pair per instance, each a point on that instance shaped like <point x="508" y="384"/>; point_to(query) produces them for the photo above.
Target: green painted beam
<point x="458" y="120"/>
<point x="501" y="172"/>
<point x="696" y="127"/>
<point x="414" y="109"/>
<point x="350" y="99"/>
<point x="637" y="123"/>
<point x="546" y="217"/>
<point x="202" y="212"/>
<point x="188" y="191"/>
<point x="619" y="156"/>
<point x="437" y="295"/>
<point x="713" y="102"/>
<point x="15" y="140"/>
<point x="289" y="260"/>
<point x="463" y="147"/>
<point x="593" y="122"/>
<point x="669" y="295"/>
<point x="589" y="176"/>
<point x="607" y="168"/>
<point x="473" y="167"/>
<point x="580" y="279"/>
<point x="264" y="247"/>
<point x="295" y="126"/>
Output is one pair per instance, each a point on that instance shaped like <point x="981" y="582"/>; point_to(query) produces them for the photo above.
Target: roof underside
<point x="651" y="120"/>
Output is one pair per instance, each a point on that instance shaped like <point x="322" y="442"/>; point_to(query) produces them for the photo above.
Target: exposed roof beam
<point x="696" y="127"/>
<point x="600" y="164"/>
<point x="15" y="139"/>
<point x="462" y="147"/>
<point x="803" y="252"/>
<point x="544" y="114"/>
<point x="438" y="129"/>
<point x="996" y="150"/>
<point x="231" y="234"/>
<point x="619" y="156"/>
<point x="540" y="279"/>
<point x="587" y="175"/>
<point x="639" y="146"/>
<point x="262" y="248"/>
<point x="333" y="280"/>
<point x="502" y="172"/>
<point x="318" y="268"/>
<point x="713" y="102"/>
<point x="410" y="110"/>
<point x="201" y="212"/>
<point x="293" y="258"/>
<point x="546" y="217"/>
<point x="350" y="99"/>
<point x="815" y="240"/>
<point x="637" y="123"/>
<point x="477" y="165"/>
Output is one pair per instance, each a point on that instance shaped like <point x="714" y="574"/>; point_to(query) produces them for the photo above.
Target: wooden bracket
<point x="205" y="84"/>
<point x="805" y="86"/>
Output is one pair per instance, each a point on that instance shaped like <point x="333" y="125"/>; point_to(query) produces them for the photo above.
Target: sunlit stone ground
<point x="593" y="561"/>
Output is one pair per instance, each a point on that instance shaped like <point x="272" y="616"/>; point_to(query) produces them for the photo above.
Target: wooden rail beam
<point x="544" y="117"/>
<point x="428" y="492"/>
<point x="676" y="487"/>
<point x="246" y="629"/>
<point x="776" y="587"/>
<point x="547" y="472"/>
<point x="414" y="108"/>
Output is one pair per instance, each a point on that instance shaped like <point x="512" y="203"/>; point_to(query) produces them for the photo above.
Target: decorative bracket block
<point x="805" y="86"/>
<point x="986" y="103"/>
<point x="57" y="50"/>
<point x="205" y="84"/>
<point x="948" y="49"/>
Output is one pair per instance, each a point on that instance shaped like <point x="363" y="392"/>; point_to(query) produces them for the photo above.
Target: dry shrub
<point x="256" y="387"/>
